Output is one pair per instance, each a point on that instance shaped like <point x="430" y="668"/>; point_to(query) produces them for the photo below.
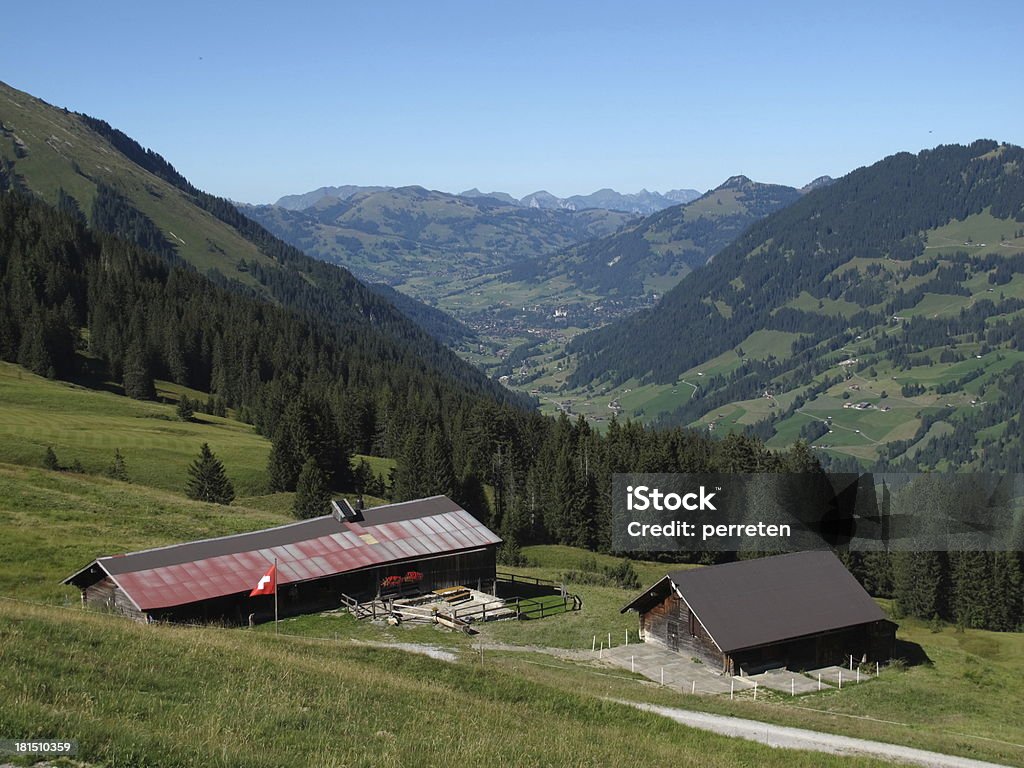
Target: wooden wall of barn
<point x="671" y="625"/>
<point x="107" y="596"/>
<point x="874" y="641"/>
<point x="472" y="569"/>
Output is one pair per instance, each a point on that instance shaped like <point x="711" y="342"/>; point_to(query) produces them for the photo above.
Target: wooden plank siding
<point x="671" y="625"/>
<point x="865" y="642"/>
<point x="475" y="568"/>
<point x="106" y="595"/>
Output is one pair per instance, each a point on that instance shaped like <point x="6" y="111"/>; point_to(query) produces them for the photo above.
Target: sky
<point x="260" y="100"/>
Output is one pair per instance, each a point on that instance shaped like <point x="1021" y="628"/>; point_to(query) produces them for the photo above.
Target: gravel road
<point x="799" y="738"/>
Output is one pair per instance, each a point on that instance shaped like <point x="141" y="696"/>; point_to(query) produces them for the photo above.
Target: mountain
<point x="438" y="324"/>
<point x="653" y="254"/>
<point x="301" y="202"/>
<point x="818" y="183"/>
<point x="414" y="235"/>
<point x="503" y="197"/>
<point x="898" y="289"/>
<point x="98" y="174"/>
<point x="643" y="202"/>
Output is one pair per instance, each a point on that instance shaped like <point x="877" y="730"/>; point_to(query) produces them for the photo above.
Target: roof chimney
<point x="344" y="512"/>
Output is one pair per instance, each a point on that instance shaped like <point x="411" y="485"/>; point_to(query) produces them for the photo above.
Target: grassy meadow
<point x="174" y="696"/>
<point x="161" y="695"/>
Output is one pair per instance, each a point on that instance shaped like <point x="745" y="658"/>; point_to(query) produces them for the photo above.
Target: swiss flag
<point x="268" y="584"/>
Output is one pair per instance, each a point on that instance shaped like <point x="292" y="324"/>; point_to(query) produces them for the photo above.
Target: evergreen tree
<point x="207" y="479"/>
<point x="307" y="429"/>
<point x="409" y="480"/>
<point x="439" y="475"/>
<point x="186" y="408"/>
<point x="34" y="353"/>
<point x="50" y="459"/>
<point x="312" y="494"/>
<point x="919" y="583"/>
<point x="285" y="461"/>
<point x="138" y="377"/>
<point x="117" y="469"/>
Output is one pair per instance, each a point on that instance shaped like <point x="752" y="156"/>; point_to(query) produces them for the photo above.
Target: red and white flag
<point x="268" y="584"/>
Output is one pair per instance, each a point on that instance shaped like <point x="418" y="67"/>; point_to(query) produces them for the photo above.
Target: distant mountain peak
<point x="821" y="181"/>
<point x="735" y="182"/>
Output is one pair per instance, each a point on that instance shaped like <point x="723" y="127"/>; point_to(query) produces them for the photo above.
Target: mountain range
<point x="407" y="235"/>
<point x="641" y="203"/>
<point x="653" y="254"/>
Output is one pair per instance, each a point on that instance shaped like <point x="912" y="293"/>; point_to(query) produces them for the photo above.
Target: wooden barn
<point x="801" y="611"/>
<point x="353" y="552"/>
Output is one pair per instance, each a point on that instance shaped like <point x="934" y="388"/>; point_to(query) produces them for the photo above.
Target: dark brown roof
<point x="757" y="602"/>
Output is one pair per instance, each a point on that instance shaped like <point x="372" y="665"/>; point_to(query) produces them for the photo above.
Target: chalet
<point x="351" y="552"/>
<point x="801" y="610"/>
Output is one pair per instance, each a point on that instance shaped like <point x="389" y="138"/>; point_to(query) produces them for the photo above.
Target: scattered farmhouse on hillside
<point x="797" y="610"/>
<point x="350" y="551"/>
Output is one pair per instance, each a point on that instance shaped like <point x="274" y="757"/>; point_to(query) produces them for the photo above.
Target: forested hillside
<point x="94" y="171"/>
<point x="897" y="290"/>
<point x="655" y="253"/>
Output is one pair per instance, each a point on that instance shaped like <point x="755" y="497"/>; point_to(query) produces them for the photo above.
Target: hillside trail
<point x="801" y="738"/>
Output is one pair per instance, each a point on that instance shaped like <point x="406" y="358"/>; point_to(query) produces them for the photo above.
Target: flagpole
<point x="275" y="595"/>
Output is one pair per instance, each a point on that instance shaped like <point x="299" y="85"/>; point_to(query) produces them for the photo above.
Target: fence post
<point x="662" y="675"/>
<point x="819" y="681"/>
<point x="593" y="645"/>
<point x="858" y="674"/>
<point x="609" y="639"/>
<point x="693" y="686"/>
<point x="732" y="689"/>
<point x="632" y="663"/>
<point x="876" y="669"/>
<point x="755" y="691"/>
<point x="840" y="678"/>
<point x="600" y="651"/>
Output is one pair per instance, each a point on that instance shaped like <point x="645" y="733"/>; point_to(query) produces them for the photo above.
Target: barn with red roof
<point x="351" y="552"/>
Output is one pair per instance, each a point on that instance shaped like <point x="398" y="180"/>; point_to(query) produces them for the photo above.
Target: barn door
<point x="672" y="639"/>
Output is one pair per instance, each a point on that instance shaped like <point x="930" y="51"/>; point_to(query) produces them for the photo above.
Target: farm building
<point x="350" y="552"/>
<point x="800" y="610"/>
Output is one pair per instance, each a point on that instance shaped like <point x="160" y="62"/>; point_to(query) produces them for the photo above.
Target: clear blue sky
<point x="260" y="100"/>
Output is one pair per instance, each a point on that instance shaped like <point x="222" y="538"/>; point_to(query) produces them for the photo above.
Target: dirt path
<point x="800" y="738"/>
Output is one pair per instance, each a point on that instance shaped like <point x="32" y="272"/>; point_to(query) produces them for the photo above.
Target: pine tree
<point x="919" y="583"/>
<point x="312" y="494"/>
<point x="409" y="479"/>
<point x="138" y="378"/>
<point x="207" y="479"/>
<point x="186" y="408"/>
<point x="285" y="461"/>
<point x="439" y="475"/>
<point x="117" y="469"/>
<point x="50" y="459"/>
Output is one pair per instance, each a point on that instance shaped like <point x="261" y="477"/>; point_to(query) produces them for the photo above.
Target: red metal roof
<point x="311" y="549"/>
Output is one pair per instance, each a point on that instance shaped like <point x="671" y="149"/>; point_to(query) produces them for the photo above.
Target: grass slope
<point x="168" y="696"/>
<point x="136" y="695"/>
<point x="59" y="151"/>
